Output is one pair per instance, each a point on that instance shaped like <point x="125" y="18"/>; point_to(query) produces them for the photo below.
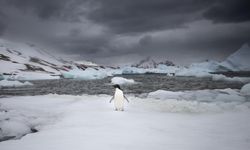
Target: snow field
<point x="90" y="122"/>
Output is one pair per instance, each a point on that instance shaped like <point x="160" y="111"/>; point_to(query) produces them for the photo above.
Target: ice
<point x="7" y="83"/>
<point x="245" y="90"/>
<point x="160" y="69"/>
<point x="35" y="76"/>
<point x="162" y="94"/>
<point x="239" y="61"/>
<point x="87" y="74"/>
<point x="231" y="79"/>
<point x="216" y="95"/>
<point x="199" y="71"/>
<point x="90" y="122"/>
<point x="121" y="80"/>
<point x="133" y="70"/>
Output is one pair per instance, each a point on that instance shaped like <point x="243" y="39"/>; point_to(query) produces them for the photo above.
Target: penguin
<point x="118" y="98"/>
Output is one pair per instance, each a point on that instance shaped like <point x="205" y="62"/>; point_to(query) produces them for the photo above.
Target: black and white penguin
<point x="118" y="98"/>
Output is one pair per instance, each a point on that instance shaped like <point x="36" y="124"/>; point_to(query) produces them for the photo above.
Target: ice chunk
<point x="88" y="74"/>
<point x="246" y="89"/>
<point x="121" y="80"/>
<point x="7" y="83"/>
<point x="162" y="94"/>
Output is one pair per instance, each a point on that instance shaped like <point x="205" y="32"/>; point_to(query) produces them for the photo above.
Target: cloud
<point x="99" y="30"/>
<point x="43" y="9"/>
<point x="146" y="40"/>
<point x="229" y="11"/>
<point x="134" y="16"/>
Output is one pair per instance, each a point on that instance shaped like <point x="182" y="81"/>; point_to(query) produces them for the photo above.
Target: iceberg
<point x="87" y="74"/>
<point x="239" y="61"/>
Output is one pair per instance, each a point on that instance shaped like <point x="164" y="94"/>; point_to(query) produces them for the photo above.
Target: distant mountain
<point x="238" y="61"/>
<point x="20" y="57"/>
<point x="148" y="63"/>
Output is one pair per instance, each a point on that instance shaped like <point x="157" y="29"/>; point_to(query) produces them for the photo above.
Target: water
<point x="146" y="83"/>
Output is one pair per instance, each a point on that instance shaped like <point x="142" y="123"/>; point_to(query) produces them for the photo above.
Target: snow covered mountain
<point x="19" y="58"/>
<point x="238" y="61"/>
<point x="148" y="63"/>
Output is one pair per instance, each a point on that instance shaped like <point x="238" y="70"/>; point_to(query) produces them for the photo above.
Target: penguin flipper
<point x="126" y="98"/>
<point x="111" y="99"/>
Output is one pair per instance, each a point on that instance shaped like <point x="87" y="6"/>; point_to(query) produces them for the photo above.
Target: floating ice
<point x="7" y="83"/>
<point x="121" y="80"/>
<point x="246" y="89"/>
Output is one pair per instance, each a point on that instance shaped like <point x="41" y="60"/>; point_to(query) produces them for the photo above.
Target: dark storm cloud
<point x="112" y="28"/>
<point x="146" y="40"/>
<point x="2" y="23"/>
<point x="146" y="15"/>
<point x="43" y="8"/>
<point x="229" y="11"/>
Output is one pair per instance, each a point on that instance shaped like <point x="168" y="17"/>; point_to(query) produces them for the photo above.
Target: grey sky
<point x="122" y="31"/>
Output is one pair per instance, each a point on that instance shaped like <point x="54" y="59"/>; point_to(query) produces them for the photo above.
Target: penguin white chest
<point x="119" y="99"/>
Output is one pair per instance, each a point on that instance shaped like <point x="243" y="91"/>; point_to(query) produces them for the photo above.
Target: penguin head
<point x="117" y="86"/>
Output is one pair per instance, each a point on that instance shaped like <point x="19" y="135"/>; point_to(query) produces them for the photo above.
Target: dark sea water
<point x="146" y="83"/>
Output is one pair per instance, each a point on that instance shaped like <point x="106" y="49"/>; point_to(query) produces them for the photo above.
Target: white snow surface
<point x="121" y="81"/>
<point x="7" y="83"/>
<point x="217" y="95"/>
<point x="90" y="122"/>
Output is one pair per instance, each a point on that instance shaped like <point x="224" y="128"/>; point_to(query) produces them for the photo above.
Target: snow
<point x="121" y="81"/>
<point x="7" y="83"/>
<point x="90" y="122"/>
<point x="162" y="94"/>
<point x="239" y="61"/>
<point x="245" y="90"/>
<point x="48" y="66"/>
<point x="9" y="67"/>
<point x="21" y="53"/>
<point x="216" y="95"/>
<point x="87" y="63"/>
